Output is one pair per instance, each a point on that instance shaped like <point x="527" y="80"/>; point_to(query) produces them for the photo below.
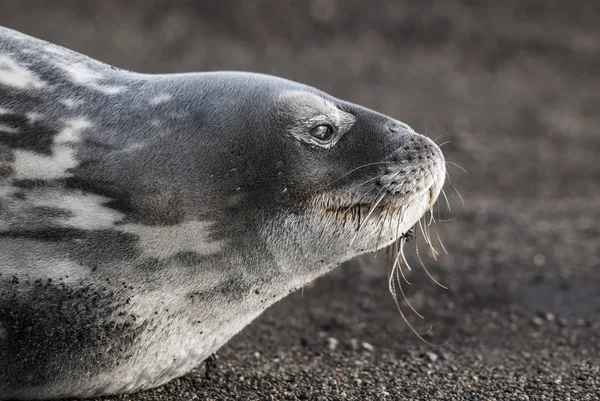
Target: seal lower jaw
<point x="344" y="209"/>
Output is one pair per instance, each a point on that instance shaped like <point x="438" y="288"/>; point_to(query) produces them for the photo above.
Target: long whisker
<point x="410" y="325"/>
<point x="458" y="193"/>
<point x="445" y="197"/>
<point x="457" y="165"/>
<point x="427" y="240"/>
<point x="369" y="214"/>
<point x="402" y="241"/>
<point x="363" y="183"/>
<point x="440" y="240"/>
<point x="431" y="217"/>
<point x="397" y="261"/>
<point x="427" y="271"/>
<point x="404" y="295"/>
<point x="358" y="200"/>
<point x="353" y="170"/>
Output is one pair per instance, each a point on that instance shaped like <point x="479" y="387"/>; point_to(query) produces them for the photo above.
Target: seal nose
<point x="419" y="165"/>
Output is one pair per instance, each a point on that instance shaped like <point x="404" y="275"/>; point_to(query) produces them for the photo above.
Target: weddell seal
<point x="146" y="219"/>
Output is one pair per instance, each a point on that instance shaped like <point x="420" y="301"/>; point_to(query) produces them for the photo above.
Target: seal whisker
<point x="351" y="171"/>
<point x="457" y="165"/>
<point x="399" y="269"/>
<point x="402" y="254"/>
<point x="358" y="200"/>
<point x="446" y="198"/>
<point x="440" y="240"/>
<point x="431" y="216"/>
<point x="458" y="193"/>
<point x="363" y="183"/>
<point x="425" y="268"/>
<point x="410" y="325"/>
<point x="372" y="209"/>
<point x="385" y="214"/>
<point x="427" y="240"/>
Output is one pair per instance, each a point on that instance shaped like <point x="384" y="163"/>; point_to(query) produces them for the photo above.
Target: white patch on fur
<point x="72" y="131"/>
<point x="160" y="99"/>
<point x="31" y="165"/>
<point x="88" y="210"/>
<point x="4" y="111"/>
<point x="41" y="267"/>
<point x="132" y="148"/>
<point x="6" y="128"/>
<point x="12" y="74"/>
<point x="165" y="241"/>
<point x="33" y="116"/>
<point x="82" y="75"/>
<point x="70" y="103"/>
<point x="7" y="191"/>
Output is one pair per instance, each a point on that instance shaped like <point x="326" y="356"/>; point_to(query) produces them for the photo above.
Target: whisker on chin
<point x="404" y="295"/>
<point x="420" y="336"/>
<point x="426" y="270"/>
<point x="446" y="198"/>
<point x="370" y="213"/>
<point x="397" y="264"/>
<point x="428" y="240"/>
<point x="440" y="240"/>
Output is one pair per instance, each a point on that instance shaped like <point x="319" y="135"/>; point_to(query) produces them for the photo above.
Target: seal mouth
<point x="342" y="210"/>
<point x="359" y="211"/>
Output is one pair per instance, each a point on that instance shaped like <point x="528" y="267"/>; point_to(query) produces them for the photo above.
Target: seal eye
<point x="322" y="132"/>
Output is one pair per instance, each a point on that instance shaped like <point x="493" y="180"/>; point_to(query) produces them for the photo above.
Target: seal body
<point x="146" y="219"/>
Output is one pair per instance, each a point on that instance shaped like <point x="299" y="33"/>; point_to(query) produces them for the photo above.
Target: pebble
<point x="368" y="346"/>
<point x="432" y="356"/>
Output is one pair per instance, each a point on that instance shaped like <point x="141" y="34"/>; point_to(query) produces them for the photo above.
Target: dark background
<point x="513" y="85"/>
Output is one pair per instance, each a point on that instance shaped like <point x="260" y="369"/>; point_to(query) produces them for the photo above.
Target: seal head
<point x="146" y="219"/>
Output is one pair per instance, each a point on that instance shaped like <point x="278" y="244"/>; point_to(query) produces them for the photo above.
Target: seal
<point x="146" y="219"/>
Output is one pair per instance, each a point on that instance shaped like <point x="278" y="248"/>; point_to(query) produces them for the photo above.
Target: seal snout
<point x="418" y="168"/>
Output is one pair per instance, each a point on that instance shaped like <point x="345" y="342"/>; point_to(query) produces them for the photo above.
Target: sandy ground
<point x="514" y="88"/>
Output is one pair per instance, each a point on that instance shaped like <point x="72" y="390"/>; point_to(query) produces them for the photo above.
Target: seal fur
<point x="146" y="219"/>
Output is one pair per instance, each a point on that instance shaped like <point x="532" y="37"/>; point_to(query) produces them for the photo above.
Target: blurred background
<point x="513" y="87"/>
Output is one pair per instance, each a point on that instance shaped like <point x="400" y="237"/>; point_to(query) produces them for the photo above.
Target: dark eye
<point x="322" y="132"/>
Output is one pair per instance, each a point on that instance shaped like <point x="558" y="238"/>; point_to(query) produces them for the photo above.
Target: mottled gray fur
<point x="146" y="219"/>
